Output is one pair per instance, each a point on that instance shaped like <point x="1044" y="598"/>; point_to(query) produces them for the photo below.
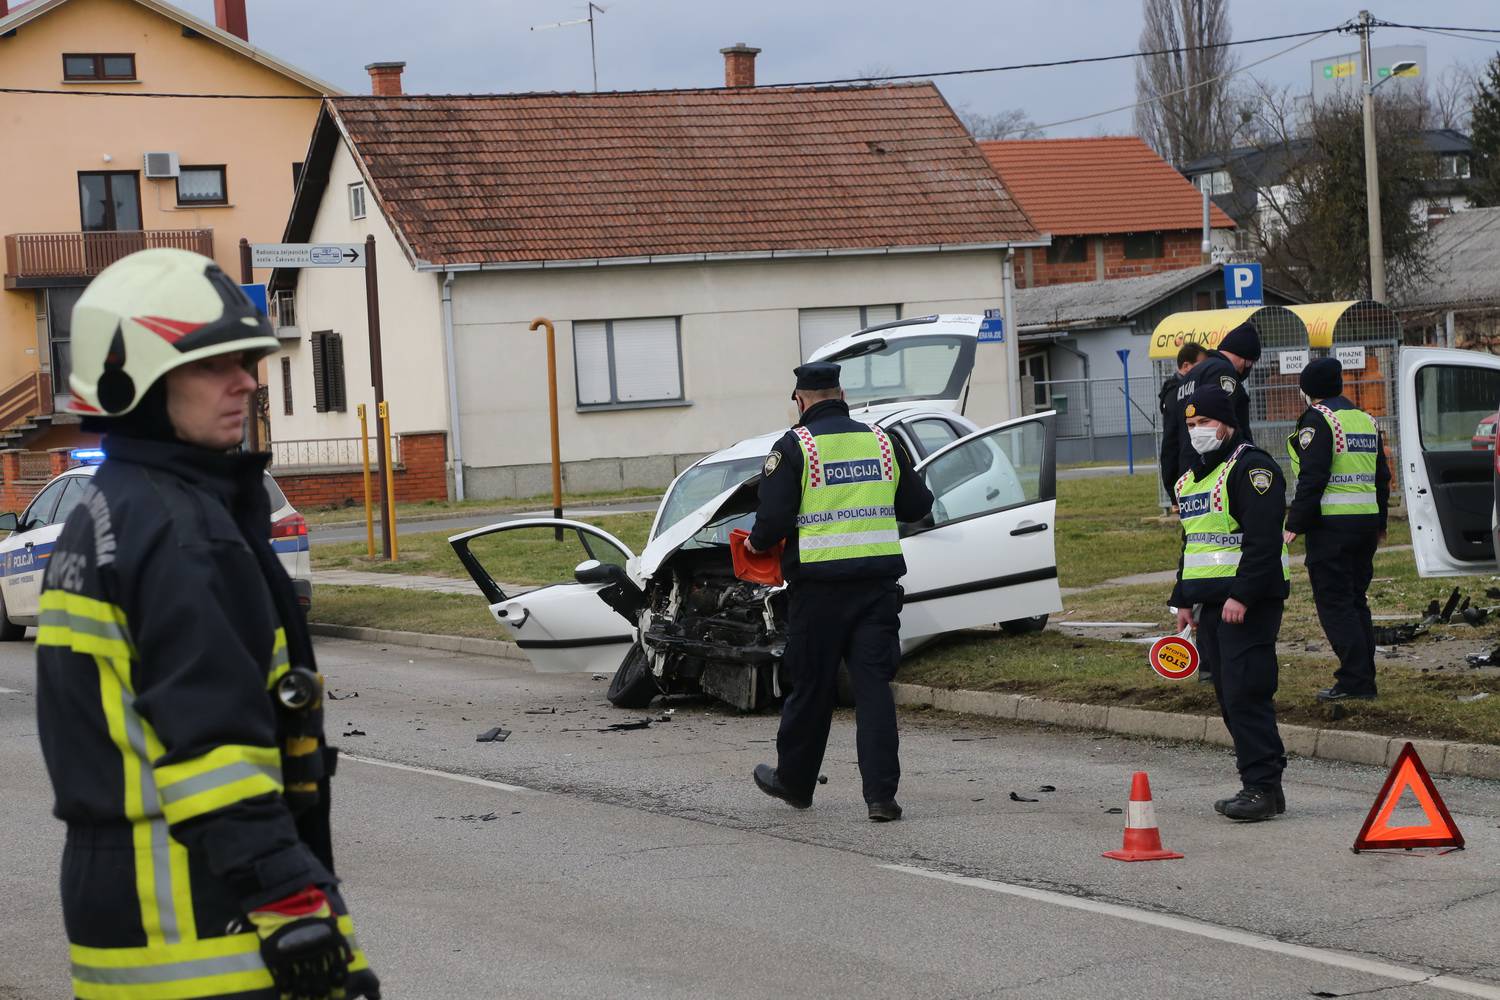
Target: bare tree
<point x="1450" y="97"/>
<point x="1186" y="90"/>
<point x="1013" y="123"/>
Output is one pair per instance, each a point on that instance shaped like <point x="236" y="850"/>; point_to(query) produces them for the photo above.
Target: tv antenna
<point x="593" y="55"/>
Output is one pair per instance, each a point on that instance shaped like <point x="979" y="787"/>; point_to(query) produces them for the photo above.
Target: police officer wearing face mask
<point x="1228" y="367"/>
<point x="836" y="489"/>
<point x="1234" y="565"/>
<point x="1343" y="490"/>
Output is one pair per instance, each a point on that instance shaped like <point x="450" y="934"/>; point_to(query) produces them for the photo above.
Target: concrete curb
<point x="1469" y="760"/>
<point x="496" y="648"/>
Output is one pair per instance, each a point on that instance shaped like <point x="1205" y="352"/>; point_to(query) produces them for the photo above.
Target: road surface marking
<point x="10" y="691"/>
<point x="466" y="779"/>
<point x="1244" y="939"/>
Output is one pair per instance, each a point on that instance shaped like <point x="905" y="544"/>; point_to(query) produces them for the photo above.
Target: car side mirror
<point x="594" y="571"/>
<point x="10" y="522"/>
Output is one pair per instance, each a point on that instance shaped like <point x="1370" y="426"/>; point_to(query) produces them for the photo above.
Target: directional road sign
<point x="307" y="255"/>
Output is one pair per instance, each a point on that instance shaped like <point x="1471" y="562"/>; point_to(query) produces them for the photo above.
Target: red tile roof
<point x="1117" y="184"/>
<point x="581" y="176"/>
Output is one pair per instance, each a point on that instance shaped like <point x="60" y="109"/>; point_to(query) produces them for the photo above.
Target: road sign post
<point x="1124" y="354"/>
<point x="345" y="255"/>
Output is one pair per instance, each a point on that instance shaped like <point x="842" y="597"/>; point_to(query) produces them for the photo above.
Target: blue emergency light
<point x="87" y="456"/>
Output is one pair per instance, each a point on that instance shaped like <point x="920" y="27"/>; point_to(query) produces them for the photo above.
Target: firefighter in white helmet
<point x="178" y="702"/>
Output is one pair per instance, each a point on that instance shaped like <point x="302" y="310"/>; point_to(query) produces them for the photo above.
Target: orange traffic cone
<point x="1142" y="838"/>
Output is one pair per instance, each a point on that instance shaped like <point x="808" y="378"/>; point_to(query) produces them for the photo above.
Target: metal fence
<point x="1091" y="416"/>
<point x="327" y="453"/>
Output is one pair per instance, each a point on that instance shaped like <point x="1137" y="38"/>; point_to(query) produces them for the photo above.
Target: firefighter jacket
<point x="870" y="487"/>
<point x="165" y="622"/>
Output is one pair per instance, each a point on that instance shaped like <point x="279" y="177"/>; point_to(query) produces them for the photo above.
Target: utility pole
<point x="1372" y="166"/>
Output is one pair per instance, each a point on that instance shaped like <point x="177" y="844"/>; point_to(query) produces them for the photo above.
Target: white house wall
<point x="334" y="299"/>
<point x="739" y="332"/>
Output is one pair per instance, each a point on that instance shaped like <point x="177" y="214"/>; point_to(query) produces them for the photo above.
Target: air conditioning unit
<point x="160" y="166"/>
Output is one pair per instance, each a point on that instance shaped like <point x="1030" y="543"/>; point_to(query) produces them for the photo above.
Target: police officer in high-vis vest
<point x="1343" y="490"/>
<point x="1234" y="566"/>
<point x="836" y="489"/>
<point x="178" y="703"/>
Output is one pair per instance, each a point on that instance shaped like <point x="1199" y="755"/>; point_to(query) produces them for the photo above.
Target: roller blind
<point x="627" y="361"/>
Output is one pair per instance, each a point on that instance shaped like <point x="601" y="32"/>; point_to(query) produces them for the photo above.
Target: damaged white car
<point x="674" y="619"/>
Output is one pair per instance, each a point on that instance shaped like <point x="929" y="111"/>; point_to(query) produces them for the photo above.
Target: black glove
<point x="302" y="947"/>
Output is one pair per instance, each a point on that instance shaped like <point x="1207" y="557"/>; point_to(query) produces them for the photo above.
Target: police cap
<point x="817" y="375"/>
<point x="1210" y="400"/>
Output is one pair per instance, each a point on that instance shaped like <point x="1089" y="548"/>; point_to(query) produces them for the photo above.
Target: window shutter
<point x="591" y="363"/>
<point x="821" y="326"/>
<point x="320" y="392"/>
<point x="286" y="386"/>
<point x="333" y="366"/>
<point x="647" y="364"/>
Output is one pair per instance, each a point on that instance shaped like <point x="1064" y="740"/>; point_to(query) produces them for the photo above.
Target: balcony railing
<point x="34" y="259"/>
<point x="326" y="453"/>
<point x="28" y="396"/>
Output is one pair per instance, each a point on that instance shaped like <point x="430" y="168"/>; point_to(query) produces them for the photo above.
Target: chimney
<point x="229" y="15"/>
<point x="739" y="65"/>
<point x="385" y="78"/>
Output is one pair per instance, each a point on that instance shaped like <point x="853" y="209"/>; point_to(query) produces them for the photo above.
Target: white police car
<point x="24" y="553"/>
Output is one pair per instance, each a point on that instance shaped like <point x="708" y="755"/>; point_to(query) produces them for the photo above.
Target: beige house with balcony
<point x="109" y="166"/>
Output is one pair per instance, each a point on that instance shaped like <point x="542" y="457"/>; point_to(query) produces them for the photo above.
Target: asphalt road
<point x="570" y="862"/>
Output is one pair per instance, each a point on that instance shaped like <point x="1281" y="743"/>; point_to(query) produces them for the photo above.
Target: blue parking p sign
<point x="1242" y="285"/>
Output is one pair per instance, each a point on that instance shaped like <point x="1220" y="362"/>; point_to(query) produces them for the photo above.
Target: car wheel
<point x="1024" y="626"/>
<point x="9" y="630"/>
<point x="633" y="685"/>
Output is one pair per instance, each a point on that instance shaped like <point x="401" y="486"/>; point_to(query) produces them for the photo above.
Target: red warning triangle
<point x="1408" y="775"/>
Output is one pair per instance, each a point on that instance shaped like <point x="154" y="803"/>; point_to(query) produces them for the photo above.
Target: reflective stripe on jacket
<point x="1213" y="537"/>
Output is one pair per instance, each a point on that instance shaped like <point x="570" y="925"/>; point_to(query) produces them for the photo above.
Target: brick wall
<point x="1180" y="249"/>
<point x="421" y="475"/>
<point x="16" y="489"/>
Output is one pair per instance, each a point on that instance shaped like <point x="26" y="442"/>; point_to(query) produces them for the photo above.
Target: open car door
<point x="563" y="626"/>
<point x="1447" y="468"/>
<point x="989" y="552"/>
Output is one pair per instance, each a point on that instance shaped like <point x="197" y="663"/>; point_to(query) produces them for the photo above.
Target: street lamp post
<point x="1372" y="165"/>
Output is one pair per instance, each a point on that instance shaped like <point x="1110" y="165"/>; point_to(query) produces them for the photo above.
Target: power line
<point x="938" y="74"/>
<point x="1192" y="86"/>
<point x="1453" y="34"/>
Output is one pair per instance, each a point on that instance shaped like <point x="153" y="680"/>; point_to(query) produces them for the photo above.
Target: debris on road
<point x="335" y="696"/>
<point x="1046" y="788"/>
<point x="822" y="779"/>
<point x="541" y="711"/>
<point x="1016" y="797"/>
<point x="1397" y="635"/>
<point x="355" y="732"/>
<point x="1470" y="698"/>
<point x="1490" y="659"/>
<point x="620" y="727"/>
<point x="494" y="735"/>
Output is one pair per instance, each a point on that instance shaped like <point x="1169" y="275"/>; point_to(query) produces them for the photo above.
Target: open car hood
<point x="732" y="502"/>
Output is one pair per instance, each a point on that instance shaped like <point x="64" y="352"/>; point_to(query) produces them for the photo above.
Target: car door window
<point x="1452" y="401"/>
<point x="40" y="513"/>
<point x="525" y="557"/>
<point x="932" y="435"/>
<point x="991" y="471"/>
<point x="70" y="498"/>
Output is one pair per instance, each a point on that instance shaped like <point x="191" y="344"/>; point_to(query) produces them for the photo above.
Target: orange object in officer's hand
<point x="756" y="567"/>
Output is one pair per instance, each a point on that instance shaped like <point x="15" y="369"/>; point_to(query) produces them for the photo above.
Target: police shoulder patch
<point x="773" y="462"/>
<point x="1305" y="438"/>
<point x="1260" y="479"/>
<point x="1228" y="384"/>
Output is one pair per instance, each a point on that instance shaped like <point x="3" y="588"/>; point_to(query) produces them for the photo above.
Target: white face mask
<point x="1203" y="439"/>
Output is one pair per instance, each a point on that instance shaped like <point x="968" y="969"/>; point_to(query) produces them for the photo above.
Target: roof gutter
<point x="697" y="258"/>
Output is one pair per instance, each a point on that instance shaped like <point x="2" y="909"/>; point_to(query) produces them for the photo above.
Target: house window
<point x="328" y="371"/>
<point x="1215" y="182"/>
<point x="624" y="361"/>
<point x="60" y="302"/>
<point x="202" y="186"/>
<point x="284" y="308"/>
<point x="286" y="386"/>
<point x="98" y="66"/>
<point x="1035" y="365"/>
<point x="356" y="201"/>
<point x="817" y="327"/>
<point x="1144" y="246"/>
<point x="1068" y="250"/>
<point x="1453" y="166"/>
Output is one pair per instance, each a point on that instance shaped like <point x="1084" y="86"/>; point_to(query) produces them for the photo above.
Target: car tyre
<point x="633" y="686"/>
<point x="9" y="630"/>
<point x="1024" y="626"/>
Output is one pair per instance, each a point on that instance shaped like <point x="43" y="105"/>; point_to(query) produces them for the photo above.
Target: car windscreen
<point x="702" y="483"/>
<point x="911" y="368"/>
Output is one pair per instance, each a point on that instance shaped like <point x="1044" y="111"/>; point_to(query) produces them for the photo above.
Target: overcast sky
<point x="485" y="46"/>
